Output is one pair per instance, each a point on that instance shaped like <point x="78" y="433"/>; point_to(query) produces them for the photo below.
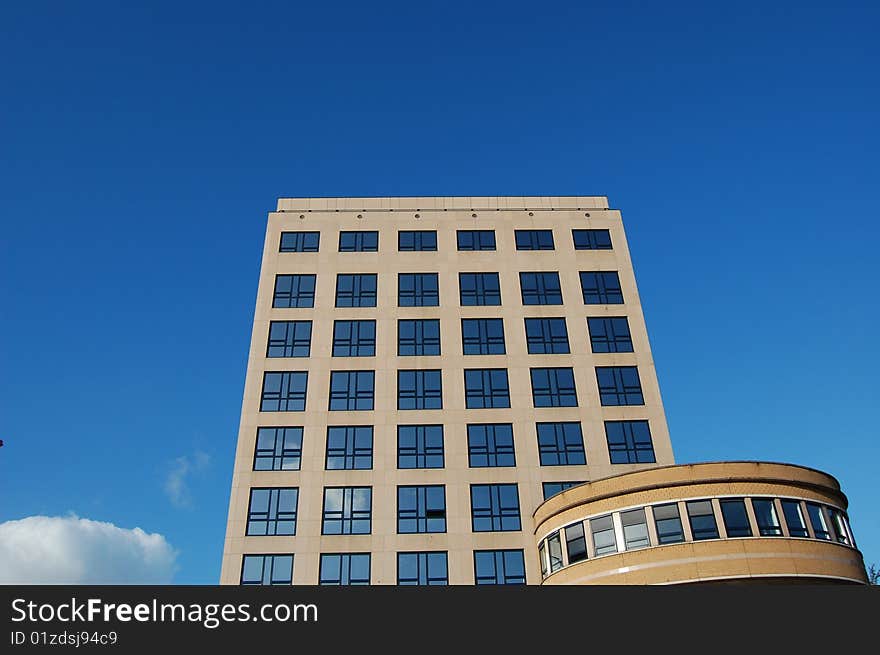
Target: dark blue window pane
<point x="345" y="569"/>
<point x="486" y="387"/>
<point x="354" y="338"/>
<point x="300" y="241"/>
<point x="629" y="442"/>
<point x="540" y="288"/>
<point x="668" y="522"/>
<point x="766" y="517"/>
<point x="356" y="290"/>
<point x="476" y="239"/>
<point x="546" y="336"/>
<point x="794" y="518"/>
<point x="421" y="509"/>
<point x="479" y="289"/>
<point x="495" y="507"/>
<point x="534" y="239"/>
<point x="294" y="291"/>
<point x="347" y="510"/>
<point x="499" y="567"/>
<point x="349" y="447"/>
<point x="560" y="444"/>
<point x="736" y="519"/>
<point x="419" y="446"/>
<point x="289" y="339"/>
<point x="553" y="488"/>
<point x="610" y="335"/>
<point x="419" y="389"/>
<point x="702" y="519"/>
<point x="490" y="444"/>
<point x="418" y="337"/>
<point x="601" y="288"/>
<point x="482" y="336"/>
<point x="358" y="241"/>
<point x="591" y="239"/>
<point x="817" y="522"/>
<point x="284" y="392"/>
<point x="418" y="290"/>
<point x="278" y="449"/>
<point x="619" y="385"/>
<point x="553" y="387"/>
<point x="272" y="511"/>
<point x="416" y="240"/>
<point x="351" y="390"/>
<point x="429" y="568"/>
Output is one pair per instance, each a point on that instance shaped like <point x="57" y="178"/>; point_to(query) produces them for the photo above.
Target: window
<point x="429" y="568"/>
<point x="540" y="288"/>
<point x="841" y="531"/>
<point x="736" y="519"/>
<point x="419" y="390"/>
<point x="358" y="241"/>
<point x="482" y="336"/>
<point x="418" y="290"/>
<point x="576" y="542"/>
<point x="499" y="567"/>
<point x="345" y="569"/>
<point x="610" y="335"/>
<point x="591" y="239"/>
<point x="267" y="570"/>
<point x="604" y="541"/>
<point x="552" y="488"/>
<point x="534" y="239"/>
<point x="495" y="508"/>
<point x="289" y="339"/>
<point x="278" y="449"/>
<point x="554" y="551"/>
<point x="300" y="241"/>
<point x="421" y="509"/>
<point x="668" y="523"/>
<point x="490" y="445"/>
<point x="553" y="387"/>
<point x="349" y="447"/>
<point x="418" y="337"/>
<point x="542" y="558"/>
<point x="420" y="446"/>
<point x="476" y="239"/>
<point x="702" y="519"/>
<point x="817" y="521"/>
<point x="486" y="387"/>
<point x="354" y="338"/>
<point x="601" y="288"/>
<point x="347" y="510"/>
<point x="635" y="529"/>
<point x="479" y="289"/>
<point x="272" y="511"/>
<point x="351" y="390"/>
<point x="794" y="518"/>
<point x="560" y="444"/>
<point x="284" y="391"/>
<point x="629" y="442"/>
<point x="416" y="240"/>
<point x="294" y="291"/>
<point x="766" y="518"/>
<point x="546" y="336"/>
<point x="619" y="385"/>
<point x="356" y="290"/>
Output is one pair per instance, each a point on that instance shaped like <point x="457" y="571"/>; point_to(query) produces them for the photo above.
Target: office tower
<point x="425" y="373"/>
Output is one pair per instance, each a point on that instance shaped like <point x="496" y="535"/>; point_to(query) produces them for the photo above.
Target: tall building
<point x="460" y="390"/>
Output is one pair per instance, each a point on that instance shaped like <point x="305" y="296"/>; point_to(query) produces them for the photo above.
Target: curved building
<point x="700" y="523"/>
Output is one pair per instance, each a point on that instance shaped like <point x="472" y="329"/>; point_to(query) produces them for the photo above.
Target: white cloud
<point x="73" y="550"/>
<point x="177" y="480"/>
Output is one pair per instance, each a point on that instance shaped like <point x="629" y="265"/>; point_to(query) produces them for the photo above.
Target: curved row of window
<point x="705" y="518"/>
<point x="426" y="240"/>
<point x="297" y="290"/>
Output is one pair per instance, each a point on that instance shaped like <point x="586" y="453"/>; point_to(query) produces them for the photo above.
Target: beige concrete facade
<point x="777" y="553"/>
<point x="329" y="216"/>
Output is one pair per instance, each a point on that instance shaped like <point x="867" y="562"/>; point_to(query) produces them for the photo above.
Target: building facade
<point x="424" y="373"/>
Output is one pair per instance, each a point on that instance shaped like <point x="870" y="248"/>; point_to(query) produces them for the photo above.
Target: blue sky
<point x="141" y="147"/>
